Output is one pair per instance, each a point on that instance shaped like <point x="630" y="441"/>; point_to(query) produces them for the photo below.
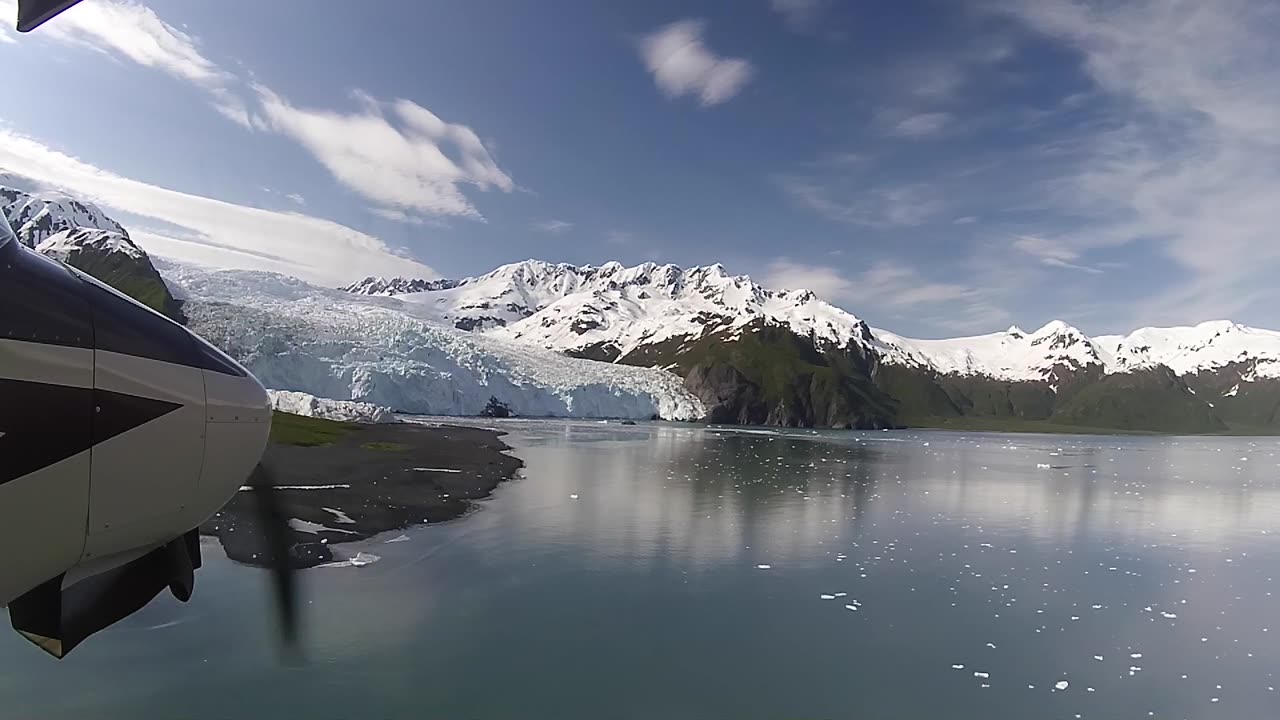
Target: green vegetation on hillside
<point x="134" y="277"/>
<point x="290" y="429"/>
<point x="766" y="375"/>
<point x="1154" y="400"/>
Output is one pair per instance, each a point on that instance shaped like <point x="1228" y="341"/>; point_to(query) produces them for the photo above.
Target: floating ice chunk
<point x="363" y="558"/>
<point x="1135" y="656"/>
<point x="762" y="566"/>
<point x="851" y="607"/>
<point x="1098" y="658"/>
<point x="311" y="528"/>
<point x="1168" y="615"/>
<point x="991" y="645"/>
<point x="957" y="666"/>
<point x="841" y="594"/>
<point x="399" y="539"/>
<point x="443" y="470"/>
<point x="574" y="496"/>
<point x="982" y="675"/>
<point x="1042" y="466"/>
<point x="826" y="596"/>
<point x="1061" y="685"/>
<point x="339" y="516"/>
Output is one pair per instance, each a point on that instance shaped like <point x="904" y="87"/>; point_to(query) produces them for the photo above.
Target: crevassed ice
<point x="331" y="344"/>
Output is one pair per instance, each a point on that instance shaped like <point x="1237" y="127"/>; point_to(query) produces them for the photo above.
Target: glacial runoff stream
<point x="680" y="572"/>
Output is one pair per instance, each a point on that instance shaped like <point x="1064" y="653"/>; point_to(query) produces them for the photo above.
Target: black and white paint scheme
<point x="120" y="432"/>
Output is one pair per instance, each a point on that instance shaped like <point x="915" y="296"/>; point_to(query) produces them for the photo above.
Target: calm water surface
<point x="670" y="572"/>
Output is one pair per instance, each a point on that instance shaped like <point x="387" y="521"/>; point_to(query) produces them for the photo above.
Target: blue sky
<point x="937" y="168"/>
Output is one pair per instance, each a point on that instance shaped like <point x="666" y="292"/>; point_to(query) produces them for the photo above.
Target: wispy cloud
<point x="682" y="64"/>
<point x="297" y="198"/>
<point x="965" y="220"/>
<point x="1191" y="158"/>
<point x="131" y="31"/>
<point x="824" y="281"/>
<point x="890" y="206"/>
<point x="555" y="227"/>
<point x="208" y="231"/>
<point x="397" y="154"/>
<point x="799" y="15"/>
<point x="1052" y="253"/>
<point x="400" y="167"/>
<point x="618" y="237"/>
<point x="889" y="289"/>
<point x="399" y="216"/>
<point x="920" y="125"/>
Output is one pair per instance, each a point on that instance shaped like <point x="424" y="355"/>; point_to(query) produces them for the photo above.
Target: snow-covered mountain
<point x="82" y="236"/>
<point x="613" y="310"/>
<point x="35" y="216"/>
<point x="332" y="344"/>
<point x="1011" y="355"/>
<point x="1207" y="347"/>
<point x="575" y="308"/>
<point x="397" y="286"/>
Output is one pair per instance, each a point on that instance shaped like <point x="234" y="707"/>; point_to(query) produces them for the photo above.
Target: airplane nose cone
<point x="237" y="426"/>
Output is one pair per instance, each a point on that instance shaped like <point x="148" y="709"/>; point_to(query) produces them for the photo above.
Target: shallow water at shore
<point x="686" y="572"/>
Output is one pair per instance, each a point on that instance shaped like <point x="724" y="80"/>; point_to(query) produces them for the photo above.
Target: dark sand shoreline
<point x="381" y="477"/>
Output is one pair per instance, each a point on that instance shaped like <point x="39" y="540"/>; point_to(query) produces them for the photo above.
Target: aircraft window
<point x="40" y="301"/>
<point x="123" y="326"/>
<point x="211" y="358"/>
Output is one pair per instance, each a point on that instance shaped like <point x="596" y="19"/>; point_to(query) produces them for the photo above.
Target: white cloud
<point x="799" y="14"/>
<point x="1190" y="158"/>
<point x="965" y="220"/>
<point x="395" y="167"/>
<point x="900" y="286"/>
<point x="399" y="216"/>
<point x="825" y="282"/>
<point x="920" y="125"/>
<point x="397" y="154"/>
<point x="296" y="198"/>
<point x="878" y="207"/>
<point x="555" y="227"/>
<point x="682" y="64"/>
<point x="132" y="31"/>
<point x="212" y="232"/>
<point x="888" y="289"/>
<point x="1052" y="253"/>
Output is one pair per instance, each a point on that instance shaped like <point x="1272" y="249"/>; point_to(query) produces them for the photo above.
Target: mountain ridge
<point x="81" y="235"/>
<point x="826" y="366"/>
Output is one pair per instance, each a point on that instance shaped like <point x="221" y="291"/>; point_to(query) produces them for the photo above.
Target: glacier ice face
<point x="332" y="344"/>
<point x="299" y="403"/>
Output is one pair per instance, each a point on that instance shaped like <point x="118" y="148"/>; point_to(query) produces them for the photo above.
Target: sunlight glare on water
<point x="683" y="572"/>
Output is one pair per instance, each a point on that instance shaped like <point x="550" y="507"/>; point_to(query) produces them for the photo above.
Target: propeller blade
<point x="275" y="530"/>
<point x="34" y="13"/>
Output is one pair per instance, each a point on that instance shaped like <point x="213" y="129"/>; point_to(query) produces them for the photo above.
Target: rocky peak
<point x="34" y="216"/>
<point x="397" y="286"/>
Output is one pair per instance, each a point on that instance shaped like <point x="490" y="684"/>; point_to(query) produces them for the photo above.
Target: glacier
<point x="300" y="403"/>
<point x="332" y="344"/>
